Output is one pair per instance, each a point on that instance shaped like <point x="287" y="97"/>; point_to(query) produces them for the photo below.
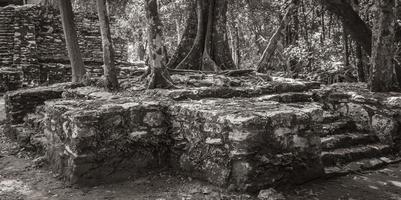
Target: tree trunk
<point x="359" y="56"/>
<point x="141" y="47"/>
<point x="67" y="18"/>
<point x="346" y="46"/>
<point x="272" y="46"/>
<point x="159" y="76"/>
<point x="177" y="27"/>
<point x="110" y="71"/>
<point x="357" y="28"/>
<point x="210" y="50"/>
<point x="397" y="14"/>
<point x="141" y="51"/>
<point x="359" y="64"/>
<point x="382" y="71"/>
<point x="187" y="39"/>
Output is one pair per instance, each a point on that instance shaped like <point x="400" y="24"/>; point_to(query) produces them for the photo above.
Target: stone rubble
<point x="270" y="194"/>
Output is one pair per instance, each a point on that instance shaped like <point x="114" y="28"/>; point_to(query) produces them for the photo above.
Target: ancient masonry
<point x="246" y="138"/>
<point x="33" y="51"/>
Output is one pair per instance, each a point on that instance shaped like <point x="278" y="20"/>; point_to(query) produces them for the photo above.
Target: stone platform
<point x="247" y="144"/>
<point x="243" y="143"/>
<point x="245" y="138"/>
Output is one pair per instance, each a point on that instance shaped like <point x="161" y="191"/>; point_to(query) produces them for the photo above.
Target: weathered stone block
<point x="22" y="102"/>
<point x="247" y="144"/>
<point x="10" y="80"/>
<point x="386" y="128"/>
<point x="92" y="141"/>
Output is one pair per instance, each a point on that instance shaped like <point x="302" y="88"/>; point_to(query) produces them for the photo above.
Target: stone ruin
<point x="33" y="50"/>
<point x="242" y="133"/>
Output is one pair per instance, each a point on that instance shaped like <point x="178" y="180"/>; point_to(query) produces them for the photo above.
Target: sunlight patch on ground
<point x="7" y="186"/>
<point x="373" y="187"/>
<point x="396" y="183"/>
<point x="2" y="109"/>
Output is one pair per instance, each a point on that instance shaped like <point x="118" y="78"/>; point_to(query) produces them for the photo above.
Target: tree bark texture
<point x="109" y="68"/>
<point x="382" y="71"/>
<point x="209" y="49"/>
<point x="67" y="18"/>
<point x="159" y="76"/>
<point x="357" y="28"/>
<point x="278" y="35"/>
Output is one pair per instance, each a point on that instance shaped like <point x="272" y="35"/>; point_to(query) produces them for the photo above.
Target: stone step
<point x="5" y="49"/>
<point x="289" y="97"/>
<point x="6" y="39"/>
<point x="337" y="127"/>
<point x="347" y="140"/>
<point x="345" y="155"/>
<point x="8" y="30"/>
<point x="6" y="60"/>
<point x="6" y="22"/>
<point x="4" y="27"/>
<point x="5" y="54"/>
<point x="7" y="34"/>
<point x="329" y="117"/>
<point x="359" y="165"/>
<point x="3" y="38"/>
<point x="6" y="63"/>
<point x="5" y="44"/>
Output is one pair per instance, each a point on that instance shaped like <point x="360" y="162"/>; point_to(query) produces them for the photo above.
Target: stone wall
<point x="51" y="42"/>
<point x="39" y="50"/>
<point x="20" y="103"/>
<point x="248" y="145"/>
<point x="9" y="80"/>
<point x="106" y="141"/>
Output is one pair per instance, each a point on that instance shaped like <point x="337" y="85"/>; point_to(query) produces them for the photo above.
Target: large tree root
<point x="159" y="78"/>
<point x="210" y="50"/>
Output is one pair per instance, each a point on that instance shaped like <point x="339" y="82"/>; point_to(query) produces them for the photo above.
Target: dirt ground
<point x="24" y="177"/>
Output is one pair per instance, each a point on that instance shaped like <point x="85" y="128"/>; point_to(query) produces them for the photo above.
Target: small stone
<point x="194" y="191"/>
<point x="206" y="190"/>
<point x="231" y="188"/>
<point x="270" y="194"/>
<point x="154" y="119"/>
<point x="214" y="141"/>
<point x="137" y="134"/>
<point x="40" y="161"/>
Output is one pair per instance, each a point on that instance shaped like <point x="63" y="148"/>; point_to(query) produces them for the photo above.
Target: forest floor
<point x="24" y="177"/>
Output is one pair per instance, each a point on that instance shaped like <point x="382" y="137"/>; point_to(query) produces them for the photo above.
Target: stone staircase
<point x="6" y="37"/>
<point x="346" y="149"/>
